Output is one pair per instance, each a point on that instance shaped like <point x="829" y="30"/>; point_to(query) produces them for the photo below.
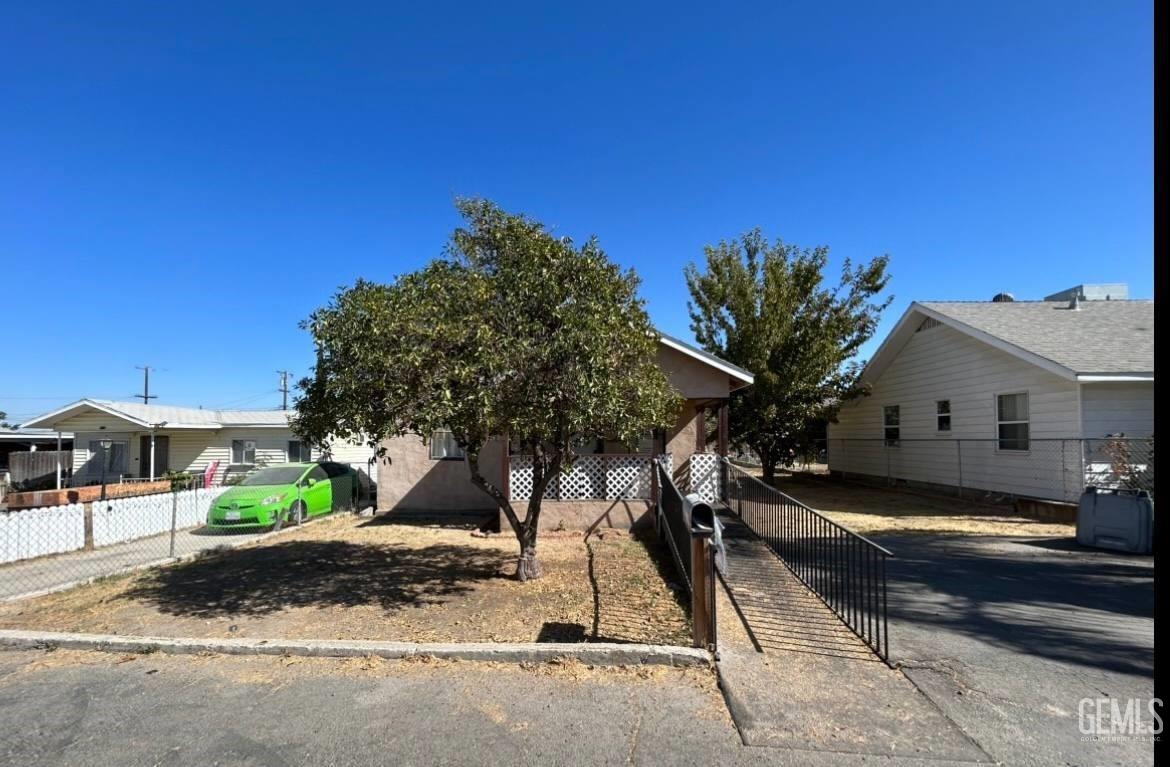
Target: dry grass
<point x="360" y="578"/>
<point x="269" y="671"/>
<point x="874" y="510"/>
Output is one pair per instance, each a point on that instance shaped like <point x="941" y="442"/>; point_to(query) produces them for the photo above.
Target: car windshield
<point x="274" y="475"/>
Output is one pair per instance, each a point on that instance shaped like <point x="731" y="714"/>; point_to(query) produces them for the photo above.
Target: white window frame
<point x="1027" y="422"/>
<point x="887" y="441"/>
<point x="302" y="447"/>
<point x="243" y="452"/>
<point x="939" y="416"/>
<point x="457" y="455"/>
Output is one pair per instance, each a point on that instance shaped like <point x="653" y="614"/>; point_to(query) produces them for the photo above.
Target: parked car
<point x="287" y="493"/>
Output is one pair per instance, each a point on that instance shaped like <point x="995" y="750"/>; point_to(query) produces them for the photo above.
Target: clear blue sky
<point x="183" y="182"/>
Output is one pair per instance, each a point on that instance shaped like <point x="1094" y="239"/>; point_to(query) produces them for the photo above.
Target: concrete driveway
<point x="1008" y="635"/>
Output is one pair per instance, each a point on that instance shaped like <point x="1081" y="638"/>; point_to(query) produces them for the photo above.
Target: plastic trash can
<point x="1121" y="520"/>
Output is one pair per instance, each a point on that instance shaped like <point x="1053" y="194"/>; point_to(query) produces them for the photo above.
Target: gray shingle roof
<point x="190" y="416"/>
<point x="1100" y="337"/>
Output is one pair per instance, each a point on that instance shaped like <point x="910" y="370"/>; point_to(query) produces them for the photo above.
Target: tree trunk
<point x="528" y="566"/>
<point x="770" y="473"/>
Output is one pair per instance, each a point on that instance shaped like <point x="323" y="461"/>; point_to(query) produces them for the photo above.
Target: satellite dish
<point x="1003" y="298"/>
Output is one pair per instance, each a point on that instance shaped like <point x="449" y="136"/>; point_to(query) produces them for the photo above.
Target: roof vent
<point x="1075" y="303"/>
<point x="1002" y="298"/>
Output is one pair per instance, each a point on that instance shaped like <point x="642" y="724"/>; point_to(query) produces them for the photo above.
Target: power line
<point x="243" y="400"/>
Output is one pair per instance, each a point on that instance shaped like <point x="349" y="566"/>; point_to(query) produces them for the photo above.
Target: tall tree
<point x="765" y="306"/>
<point x="514" y="332"/>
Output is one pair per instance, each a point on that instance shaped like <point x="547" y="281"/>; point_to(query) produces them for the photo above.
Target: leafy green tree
<point x="514" y="332"/>
<point x="4" y="422"/>
<point x="765" y="306"/>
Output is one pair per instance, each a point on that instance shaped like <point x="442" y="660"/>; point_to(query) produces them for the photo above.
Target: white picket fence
<point x="37" y="532"/>
<point x="126" y="519"/>
<point x="55" y="529"/>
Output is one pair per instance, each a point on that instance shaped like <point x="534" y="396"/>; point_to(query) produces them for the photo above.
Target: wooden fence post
<point x="702" y="592"/>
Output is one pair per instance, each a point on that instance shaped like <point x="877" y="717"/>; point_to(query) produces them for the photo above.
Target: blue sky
<point x="183" y="183"/>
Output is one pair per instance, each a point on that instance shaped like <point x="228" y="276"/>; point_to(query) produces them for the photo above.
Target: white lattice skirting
<point x="705" y="476"/>
<point x="592" y="477"/>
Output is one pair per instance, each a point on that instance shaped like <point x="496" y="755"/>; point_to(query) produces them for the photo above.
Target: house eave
<point x="1114" y="377"/>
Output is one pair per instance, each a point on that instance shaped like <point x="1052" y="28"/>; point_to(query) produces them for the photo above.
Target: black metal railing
<point x="845" y="570"/>
<point x="673" y="522"/>
<point x="687" y="530"/>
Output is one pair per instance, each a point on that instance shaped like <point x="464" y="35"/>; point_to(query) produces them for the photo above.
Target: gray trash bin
<point x="1122" y="520"/>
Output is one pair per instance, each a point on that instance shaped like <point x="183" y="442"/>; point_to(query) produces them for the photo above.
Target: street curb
<point x="226" y="546"/>
<point x="599" y="654"/>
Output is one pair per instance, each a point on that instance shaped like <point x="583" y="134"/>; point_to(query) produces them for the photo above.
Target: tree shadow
<point x="293" y="574"/>
<point x="1037" y="597"/>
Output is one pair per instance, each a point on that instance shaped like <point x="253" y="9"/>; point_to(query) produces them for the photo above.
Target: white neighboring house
<point x="1008" y="397"/>
<point x="150" y="440"/>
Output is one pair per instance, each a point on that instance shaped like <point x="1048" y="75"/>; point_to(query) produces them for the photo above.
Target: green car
<point x="285" y="493"/>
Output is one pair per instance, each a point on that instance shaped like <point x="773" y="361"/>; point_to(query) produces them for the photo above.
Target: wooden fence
<point x="39" y="465"/>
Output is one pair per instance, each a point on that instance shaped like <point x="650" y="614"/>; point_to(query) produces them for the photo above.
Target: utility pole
<point x="146" y="395"/>
<point x="284" y="374"/>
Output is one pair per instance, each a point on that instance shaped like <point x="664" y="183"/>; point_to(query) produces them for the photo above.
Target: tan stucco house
<point x="608" y="486"/>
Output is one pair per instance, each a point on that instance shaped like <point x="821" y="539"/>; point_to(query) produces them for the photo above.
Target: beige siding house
<point x="150" y="440"/>
<point x="609" y="486"/>
<point x="1000" y="396"/>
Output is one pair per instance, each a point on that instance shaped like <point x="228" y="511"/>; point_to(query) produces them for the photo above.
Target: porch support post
<point x="724" y="411"/>
<point x="700" y="429"/>
<point x="58" y="460"/>
<point x="152" y="454"/>
<point x="506" y="467"/>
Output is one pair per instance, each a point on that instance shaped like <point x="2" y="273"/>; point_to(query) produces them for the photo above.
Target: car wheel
<point x="297" y="513"/>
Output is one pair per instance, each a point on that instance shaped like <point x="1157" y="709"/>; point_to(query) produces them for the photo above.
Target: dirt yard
<point x="874" y="510"/>
<point x="372" y="578"/>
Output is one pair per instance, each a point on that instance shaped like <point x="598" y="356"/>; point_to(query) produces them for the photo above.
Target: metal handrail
<point x="809" y="509"/>
<point x="846" y="570"/>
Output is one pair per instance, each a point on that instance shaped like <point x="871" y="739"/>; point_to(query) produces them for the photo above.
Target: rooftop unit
<point x="1104" y="291"/>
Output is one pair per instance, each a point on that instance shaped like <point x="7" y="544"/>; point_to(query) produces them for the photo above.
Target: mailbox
<point x="701" y="513"/>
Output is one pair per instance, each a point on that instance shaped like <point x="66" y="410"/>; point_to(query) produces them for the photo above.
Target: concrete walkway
<point x="795" y="677"/>
<point x="61" y="570"/>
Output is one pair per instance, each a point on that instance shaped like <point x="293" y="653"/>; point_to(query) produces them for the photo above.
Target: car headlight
<point x="272" y="499"/>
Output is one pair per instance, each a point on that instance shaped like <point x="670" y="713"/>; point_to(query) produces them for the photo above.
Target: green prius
<point x="285" y="494"/>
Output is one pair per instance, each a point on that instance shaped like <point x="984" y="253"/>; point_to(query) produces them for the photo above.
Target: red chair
<point x="209" y="474"/>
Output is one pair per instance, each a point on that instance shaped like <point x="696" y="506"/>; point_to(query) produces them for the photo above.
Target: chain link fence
<point x="993" y="469"/>
<point x="47" y="548"/>
<point x="51" y="547"/>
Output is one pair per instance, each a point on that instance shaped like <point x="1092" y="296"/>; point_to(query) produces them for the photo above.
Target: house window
<point x="118" y="461"/>
<point x="299" y="452"/>
<point x="891" y="415"/>
<point x="243" y="452"/>
<point x="942" y="409"/>
<point x="444" y="447"/>
<point x="1012" y="421"/>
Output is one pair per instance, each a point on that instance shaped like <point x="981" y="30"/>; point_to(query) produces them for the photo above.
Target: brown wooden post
<point x="700" y="429"/>
<point x="88" y="521"/>
<point x="506" y="470"/>
<point x="701" y="591"/>
<point x="724" y="411"/>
